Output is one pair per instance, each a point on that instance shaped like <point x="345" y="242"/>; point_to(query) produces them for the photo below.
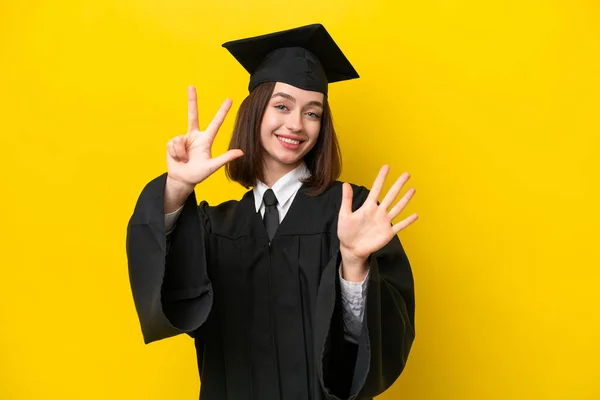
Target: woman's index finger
<point x="192" y="109"/>
<point x="218" y="119"/>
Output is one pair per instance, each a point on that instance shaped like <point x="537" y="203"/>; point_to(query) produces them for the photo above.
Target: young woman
<point x="301" y="289"/>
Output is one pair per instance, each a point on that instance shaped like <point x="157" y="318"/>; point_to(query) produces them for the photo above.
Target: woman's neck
<point x="275" y="171"/>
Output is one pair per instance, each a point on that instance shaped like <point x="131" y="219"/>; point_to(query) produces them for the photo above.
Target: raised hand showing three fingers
<point x="369" y="228"/>
<point x="189" y="156"/>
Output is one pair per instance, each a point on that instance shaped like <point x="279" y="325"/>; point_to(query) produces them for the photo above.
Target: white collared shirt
<point x="285" y="190"/>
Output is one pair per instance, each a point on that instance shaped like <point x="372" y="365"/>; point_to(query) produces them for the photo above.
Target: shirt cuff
<point x="353" y="304"/>
<point x="171" y="219"/>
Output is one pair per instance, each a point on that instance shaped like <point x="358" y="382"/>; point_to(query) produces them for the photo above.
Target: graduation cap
<point x="304" y="57"/>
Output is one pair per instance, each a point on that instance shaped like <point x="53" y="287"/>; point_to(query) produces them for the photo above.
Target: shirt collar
<point x="284" y="188"/>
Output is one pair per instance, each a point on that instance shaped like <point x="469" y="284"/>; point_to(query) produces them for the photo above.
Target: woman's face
<point x="290" y="126"/>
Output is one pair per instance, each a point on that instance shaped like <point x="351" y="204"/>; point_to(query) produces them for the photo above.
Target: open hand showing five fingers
<point x="189" y="156"/>
<point x="369" y="228"/>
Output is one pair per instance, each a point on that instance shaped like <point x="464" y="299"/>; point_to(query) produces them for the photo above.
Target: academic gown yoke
<point x="267" y="319"/>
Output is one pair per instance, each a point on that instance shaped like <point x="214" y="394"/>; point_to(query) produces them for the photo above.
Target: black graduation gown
<point x="267" y="320"/>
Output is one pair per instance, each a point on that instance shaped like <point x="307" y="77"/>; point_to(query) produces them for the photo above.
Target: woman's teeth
<point x="290" y="141"/>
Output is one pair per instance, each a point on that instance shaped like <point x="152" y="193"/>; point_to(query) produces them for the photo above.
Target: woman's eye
<point x="313" y="115"/>
<point x="281" y="107"/>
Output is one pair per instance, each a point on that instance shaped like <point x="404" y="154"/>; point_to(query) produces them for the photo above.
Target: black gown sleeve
<point x="171" y="289"/>
<point x="366" y="369"/>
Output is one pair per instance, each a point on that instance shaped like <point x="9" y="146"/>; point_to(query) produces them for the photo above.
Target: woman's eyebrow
<point x="315" y="103"/>
<point x="292" y="99"/>
<point x="284" y="95"/>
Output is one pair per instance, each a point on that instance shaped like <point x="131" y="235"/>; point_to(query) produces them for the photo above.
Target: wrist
<point x="176" y="192"/>
<point x="354" y="269"/>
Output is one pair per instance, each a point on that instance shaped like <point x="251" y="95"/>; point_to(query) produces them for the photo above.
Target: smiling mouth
<point x="289" y="141"/>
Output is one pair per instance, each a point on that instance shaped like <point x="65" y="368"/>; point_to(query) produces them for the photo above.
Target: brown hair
<point x="324" y="160"/>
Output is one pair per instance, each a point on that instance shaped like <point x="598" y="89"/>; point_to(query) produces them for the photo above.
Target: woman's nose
<point x="294" y="122"/>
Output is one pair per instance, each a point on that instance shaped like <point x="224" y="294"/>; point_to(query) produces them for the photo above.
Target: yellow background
<point x="491" y="106"/>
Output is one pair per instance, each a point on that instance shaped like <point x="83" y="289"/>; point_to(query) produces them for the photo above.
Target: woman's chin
<point x="286" y="160"/>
